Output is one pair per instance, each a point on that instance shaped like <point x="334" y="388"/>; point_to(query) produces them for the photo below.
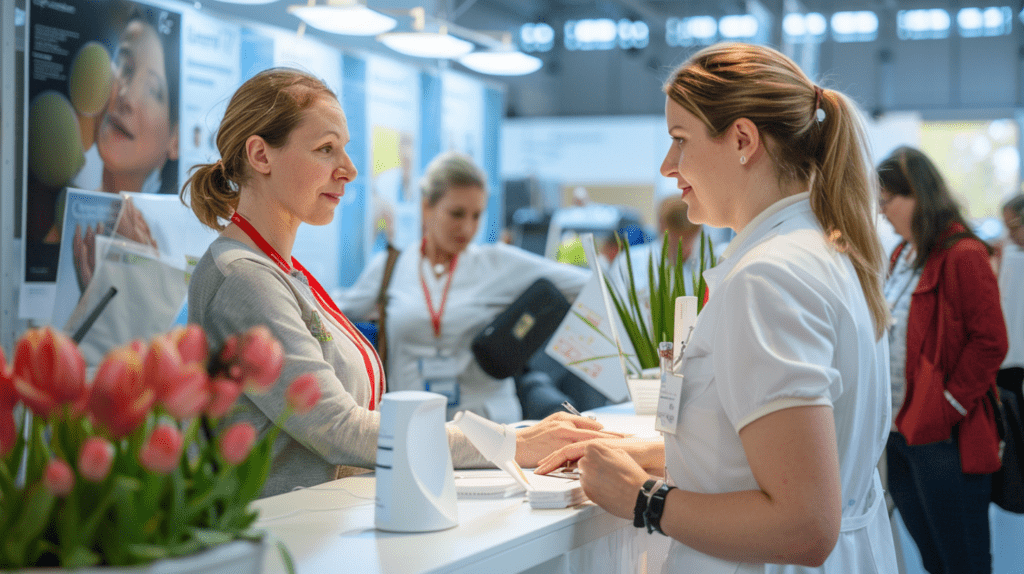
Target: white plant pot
<point x="644" y="393"/>
<point x="235" y="557"/>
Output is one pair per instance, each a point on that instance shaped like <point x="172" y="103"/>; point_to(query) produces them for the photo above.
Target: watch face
<point x="649" y="485"/>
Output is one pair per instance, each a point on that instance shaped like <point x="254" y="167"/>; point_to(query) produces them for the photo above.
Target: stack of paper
<point x="553" y="492"/>
<point x="486" y="484"/>
<point x="545" y="491"/>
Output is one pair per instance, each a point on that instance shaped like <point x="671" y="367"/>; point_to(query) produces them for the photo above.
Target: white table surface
<point x="330" y="528"/>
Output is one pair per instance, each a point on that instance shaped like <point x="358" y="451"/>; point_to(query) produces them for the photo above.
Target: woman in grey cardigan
<point x="283" y="162"/>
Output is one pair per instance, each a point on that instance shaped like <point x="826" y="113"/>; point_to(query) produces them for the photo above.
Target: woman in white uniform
<point x="445" y="290"/>
<point x="783" y="410"/>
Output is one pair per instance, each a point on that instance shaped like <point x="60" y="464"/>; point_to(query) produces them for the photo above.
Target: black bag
<point x="505" y="346"/>
<point x="1008" y="481"/>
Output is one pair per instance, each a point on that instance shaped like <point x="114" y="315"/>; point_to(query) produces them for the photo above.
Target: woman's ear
<point x="256" y="154"/>
<point x="172" y="145"/>
<point x="747" y="138"/>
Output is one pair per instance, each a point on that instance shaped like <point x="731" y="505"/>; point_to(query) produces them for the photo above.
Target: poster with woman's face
<point x="103" y="85"/>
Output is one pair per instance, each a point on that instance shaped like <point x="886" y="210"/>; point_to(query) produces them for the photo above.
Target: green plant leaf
<point x="78" y="557"/>
<point x="666" y="282"/>
<point x="208" y="537"/>
<point x="286" y="557"/>
<point x="32" y="519"/>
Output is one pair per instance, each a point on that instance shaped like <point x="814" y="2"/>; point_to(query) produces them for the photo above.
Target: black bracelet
<point x="652" y="517"/>
<point x="641" y="504"/>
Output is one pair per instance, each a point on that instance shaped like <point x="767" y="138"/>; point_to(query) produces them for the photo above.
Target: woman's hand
<point x="649" y="454"/>
<point x="83" y="250"/>
<point x="133" y="226"/>
<point x="611" y="478"/>
<point x="554" y="432"/>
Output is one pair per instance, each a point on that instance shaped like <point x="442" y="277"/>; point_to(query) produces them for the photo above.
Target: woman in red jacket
<point x="947" y="342"/>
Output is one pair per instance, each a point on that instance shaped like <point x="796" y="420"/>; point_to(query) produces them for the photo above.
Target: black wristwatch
<point x="655" y="506"/>
<point x="641" y="502"/>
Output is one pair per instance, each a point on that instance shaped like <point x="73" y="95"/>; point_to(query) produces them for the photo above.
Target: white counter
<point x="329" y="528"/>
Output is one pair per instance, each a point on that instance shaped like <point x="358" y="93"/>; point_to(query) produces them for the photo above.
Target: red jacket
<point x="958" y="283"/>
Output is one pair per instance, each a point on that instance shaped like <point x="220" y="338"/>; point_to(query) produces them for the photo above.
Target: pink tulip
<point x="236" y="442"/>
<point x="95" y="459"/>
<point x="303" y="393"/>
<point x="188" y="395"/>
<point x="49" y="370"/>
<point x="58" y="477"/>
<point x="120" y="399"/>
<point x="161" y="366"/>
<point x="192" y="344"/>
<point x="8" y="398"/>
<point x="225" y="393"/>
<point x="162" y="450"/>
<point x="260" y="357"/>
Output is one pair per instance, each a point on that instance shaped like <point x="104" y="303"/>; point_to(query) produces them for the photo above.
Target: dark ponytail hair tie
<point x="819" y="113"/>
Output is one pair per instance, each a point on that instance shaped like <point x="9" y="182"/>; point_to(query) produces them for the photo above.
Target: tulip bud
<point x="162" y="450"/>
<point x="48" y="370"/>
<point x="225" y="393"/>
<point x="260" y="358"/>
<point x="303" y="393"/>
<point x="8" y="398"/>
<point x="8" y="428"/>
<point x="161" y="366"/>
<point x="95" y="459"/>
<point x="236" y="442"/>
<point x="189" y="395"/>
<point x="120" y="399"/>
<point x="58" y="477"/>
<point x="192" y="344"/>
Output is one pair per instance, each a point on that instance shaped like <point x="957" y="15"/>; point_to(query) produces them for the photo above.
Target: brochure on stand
<point x="588" y="341"/>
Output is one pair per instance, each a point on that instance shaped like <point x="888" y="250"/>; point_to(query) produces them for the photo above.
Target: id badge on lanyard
<point x="440" y="375"/>
<point x="670" y="395"/>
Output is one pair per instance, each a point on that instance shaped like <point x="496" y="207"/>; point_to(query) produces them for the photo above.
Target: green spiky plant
<point x="666" y="282"/>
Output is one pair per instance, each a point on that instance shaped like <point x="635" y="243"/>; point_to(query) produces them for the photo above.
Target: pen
<point x="572" y="410"/>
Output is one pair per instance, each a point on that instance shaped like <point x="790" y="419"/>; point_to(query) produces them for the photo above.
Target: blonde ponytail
<point x="211" y="194"/>
<point x="844" y="198"/>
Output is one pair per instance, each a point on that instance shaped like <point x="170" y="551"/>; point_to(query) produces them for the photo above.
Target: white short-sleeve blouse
<point x="786" y="325"/>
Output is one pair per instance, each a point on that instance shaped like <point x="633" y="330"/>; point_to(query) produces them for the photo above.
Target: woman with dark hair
<point x="947" y="340"/>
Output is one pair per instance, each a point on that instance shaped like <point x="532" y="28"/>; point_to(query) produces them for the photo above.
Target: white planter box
<point x="236" y="557"/>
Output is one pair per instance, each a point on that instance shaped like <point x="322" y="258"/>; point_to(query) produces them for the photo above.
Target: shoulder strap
<point x="896" y="256"/>
<point x="382" y="305"/>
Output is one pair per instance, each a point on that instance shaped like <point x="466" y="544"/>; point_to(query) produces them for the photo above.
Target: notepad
<point x="486" y="484"/>
<point x="547" y="491"/>
<point x="554" y="492"/>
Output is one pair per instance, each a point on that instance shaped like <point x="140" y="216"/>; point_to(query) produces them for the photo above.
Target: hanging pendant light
<point x="502" y="60"/>
<point x="422" y="44"/>
<point x="346" y="17"/>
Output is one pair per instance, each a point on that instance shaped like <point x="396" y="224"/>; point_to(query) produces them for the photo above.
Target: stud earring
<point x="743" y="159"/>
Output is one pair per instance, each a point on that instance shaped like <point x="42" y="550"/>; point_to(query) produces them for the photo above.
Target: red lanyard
<point x="326" y="304"/>
<point x="435" y="316"/>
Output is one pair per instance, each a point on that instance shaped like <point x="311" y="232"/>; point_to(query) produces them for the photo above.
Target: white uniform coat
<point x="786" y="325"/>
<point x="486" y="280"/>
